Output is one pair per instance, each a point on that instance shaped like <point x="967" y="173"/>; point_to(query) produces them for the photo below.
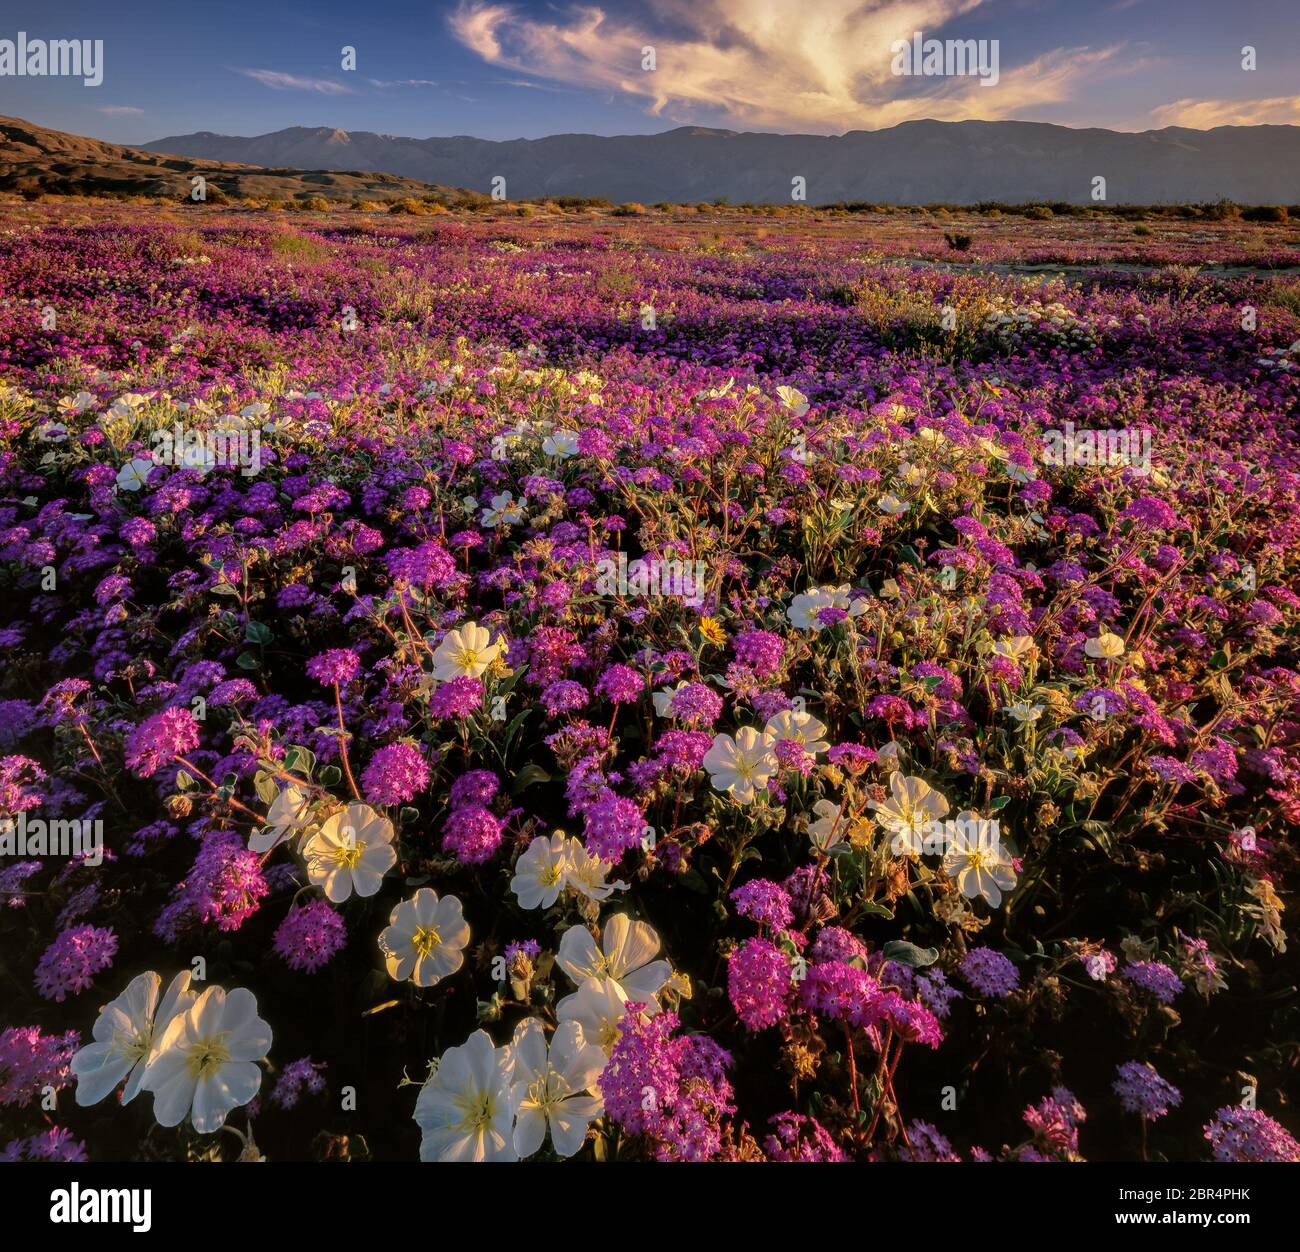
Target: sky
<point x="504" y="69"/>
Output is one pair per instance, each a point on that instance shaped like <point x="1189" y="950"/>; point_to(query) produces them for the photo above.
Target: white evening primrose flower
<point x="587" y="874"/>
<point x="52" y="432"/>
<point x="284" y="819"/>
<point x="503" y="511"/>
<point x="1015" y="648"/>
<point x="626" y="954"/>
<point x="741" y="766"/>
<point x="598" y="1006"/>
<point x="82" y="402"/>
<point x="542" y="872"/>
<point x="908" y="812"/>
<point x="1105" y="646"/>
<point x="126" y="405"/>
<point x="977" y="860"/>
<point x="350" y="853"/>
<point x="805" y="607"/>
<point x="828" y="830"/>
<point x="1024" y="713"/>
<point x="464" y="653"/>
<point x="197" y="455"/>
<point x="890" y="504"/>
<point x="464" y="1110"/>
<point x="425" y="938"/>
<point x="793" y="400"/>
<point x="124" y="1034"/>
<point x="133" y="475"/>
<point x="552" y="1089"/>
<point x="890" y="590"/>
<point x="802" y="728"/>
<point x="563" y="443"/>
<point x="205" y="1063"/>
<point x="663" y="700"/>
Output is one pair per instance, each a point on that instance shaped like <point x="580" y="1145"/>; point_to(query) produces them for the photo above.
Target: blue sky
<point x="498" y="69"/>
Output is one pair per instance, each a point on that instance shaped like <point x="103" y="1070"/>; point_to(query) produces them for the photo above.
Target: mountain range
<point x="920" y="162"/>
<point x="36" y="159"/>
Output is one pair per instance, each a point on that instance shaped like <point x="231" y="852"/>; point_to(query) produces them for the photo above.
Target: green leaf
<point x="256" y="632"/>
<point x="512" y="729"/>
<point x="246" y="660"/>
<point x="527" y="776"/>
<point x="999" y="804"/>
<point x="266" y="787"/>
<point x="909" y="954"/>
<point x="330" y="775"/>
<point x="299" y="761"/>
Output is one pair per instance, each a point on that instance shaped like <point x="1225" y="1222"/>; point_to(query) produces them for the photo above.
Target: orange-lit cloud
<point x="821" y="66"/>
<point x="1204" y="114"/>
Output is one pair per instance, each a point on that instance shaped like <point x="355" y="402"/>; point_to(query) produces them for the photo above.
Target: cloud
<point x="115" y="110"/>
<point x="292" y="82"/>
<point x="816" y="65"/>
<point x="1205" y="114"/>
<point x="384" y="84"/>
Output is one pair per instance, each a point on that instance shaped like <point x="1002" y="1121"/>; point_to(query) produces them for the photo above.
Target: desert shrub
<point x="298" y="248"/>
<point x="1264" y="213"/>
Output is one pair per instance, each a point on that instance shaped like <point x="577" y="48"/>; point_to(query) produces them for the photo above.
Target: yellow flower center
<point x="465" y="658"/>
<point x="548" y="1091"/>
<point x="980" y="858"/>
<point x="206" y="1056"/>
<point x="550" y="876"/>
<point x="425" y="939"/>
<point x="347" y="855"/>
<point x="133" y="1047"/>
<point x="477" y="1109"/>
<point x="609" y="1033"/>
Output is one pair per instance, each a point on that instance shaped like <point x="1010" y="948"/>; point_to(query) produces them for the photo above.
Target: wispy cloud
<point x="292" y="82"/>
<point x="384" y="84"/>
<point x="822" y="66"/>
<point x="116" y="110"/>
<point x="1204" y="114"/>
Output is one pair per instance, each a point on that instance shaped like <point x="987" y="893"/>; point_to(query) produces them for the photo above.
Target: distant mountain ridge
<point x="912" y="163"/>
<point x="36" y="159"/>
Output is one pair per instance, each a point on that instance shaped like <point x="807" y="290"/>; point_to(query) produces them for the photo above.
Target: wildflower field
<point x="671" y="686"/>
